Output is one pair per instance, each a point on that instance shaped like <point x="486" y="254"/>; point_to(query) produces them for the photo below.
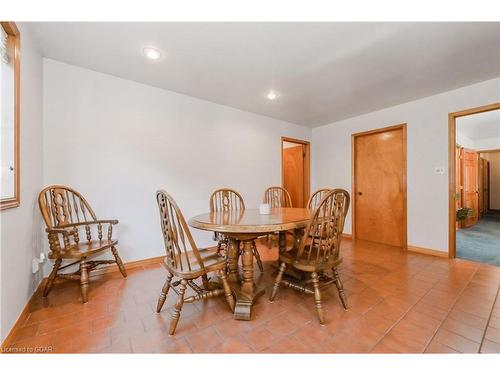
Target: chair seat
<point x="309" y="265"/>
<point x="211" y="260"/>
<point x="85" y="249"/>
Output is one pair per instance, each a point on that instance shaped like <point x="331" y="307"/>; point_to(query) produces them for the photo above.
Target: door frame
<point x="401" y="126"/>
<point x="307" y="164"/>
<point x="452" y="136"/>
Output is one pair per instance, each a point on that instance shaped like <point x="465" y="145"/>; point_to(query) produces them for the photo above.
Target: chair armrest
<point x="54" y="239"/>
<point x="92" y="222"/>
<point x="71" y="235"/>
<point x="60" y="230"/>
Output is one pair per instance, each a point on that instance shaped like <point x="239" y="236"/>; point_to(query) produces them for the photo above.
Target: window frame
<point x="13" y="32"/>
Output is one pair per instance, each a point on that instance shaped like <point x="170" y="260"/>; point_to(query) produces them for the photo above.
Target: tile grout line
<point x="396" y="322"/>
<point x="489" y="318"/>
<point x="406" y="313"/>
<point x="448" y="313"/>
<point x="403" y="316"/>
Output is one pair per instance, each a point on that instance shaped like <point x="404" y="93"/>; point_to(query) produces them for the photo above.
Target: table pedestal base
<point x="245" y="301"/>
<point x="246" y="291"/>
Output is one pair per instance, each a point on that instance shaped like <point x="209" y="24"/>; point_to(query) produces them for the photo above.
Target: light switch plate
<point x="439" y="170"/>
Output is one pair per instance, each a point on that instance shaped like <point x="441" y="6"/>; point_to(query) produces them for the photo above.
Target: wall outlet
<point x="35" y="263"/>
<point x="439" y="170"/>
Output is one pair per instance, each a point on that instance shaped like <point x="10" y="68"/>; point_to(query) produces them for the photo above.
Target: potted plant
<point x="463" y="213"/>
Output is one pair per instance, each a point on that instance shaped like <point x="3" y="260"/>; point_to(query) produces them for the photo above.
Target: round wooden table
<point x="244" y="226"/>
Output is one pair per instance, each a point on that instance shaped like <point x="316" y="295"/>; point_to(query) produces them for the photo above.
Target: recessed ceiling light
<point x="151" y="53"/>
<point x="272" y="95"/>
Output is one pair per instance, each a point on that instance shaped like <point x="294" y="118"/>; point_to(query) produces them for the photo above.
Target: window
<point x="9" y="114"/>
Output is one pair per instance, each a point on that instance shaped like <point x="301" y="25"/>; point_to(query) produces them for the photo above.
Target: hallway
<point x="482" y="241"/>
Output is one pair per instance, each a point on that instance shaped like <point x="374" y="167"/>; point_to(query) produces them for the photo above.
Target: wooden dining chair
<point x="226" y="199"/>
<point x="316" y="198"/>
<point x="66" y="212"/>
<point x="318" y="250"/>
<point x="186" y="262"/>
<point x="276" y="197"/>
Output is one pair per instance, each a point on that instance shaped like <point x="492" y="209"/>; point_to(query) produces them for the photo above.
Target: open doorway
<point x="295" y="175"/>
<point x="475" y="184"/>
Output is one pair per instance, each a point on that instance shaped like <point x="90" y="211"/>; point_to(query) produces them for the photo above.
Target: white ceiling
<point x="324" y="72"/>
<point x="480" y="126"/>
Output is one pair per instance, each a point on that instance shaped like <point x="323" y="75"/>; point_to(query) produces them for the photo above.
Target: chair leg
<point x="340" y="288"/>
<point x="178" y="307"/>
<point x="206" y="283"/>
<point x="164" y="293"/>
<point x="317" y="298"/>
<point x="227" y="289"/>
<point x="52" y="277"/>
<point x="84" y="280"/>
<point x="269" y="241"/>
<point x="278" y="281"/>
<point x="119" y="261"/>
<point x="257" y="257"/>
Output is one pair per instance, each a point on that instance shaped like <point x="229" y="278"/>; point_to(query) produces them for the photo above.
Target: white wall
<point x="463" y="140"/>
<point x="427" y="147"/>
<point x="117" y="142"/>
<point x="487" y="144"/>
<point x="21" y="237"/>
<point x="492" y="143"/>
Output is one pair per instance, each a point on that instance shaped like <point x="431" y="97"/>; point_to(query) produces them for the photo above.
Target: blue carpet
<point x="482" y="241"/>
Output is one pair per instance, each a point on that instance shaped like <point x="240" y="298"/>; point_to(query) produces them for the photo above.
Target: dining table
<point x="242" y="228"/>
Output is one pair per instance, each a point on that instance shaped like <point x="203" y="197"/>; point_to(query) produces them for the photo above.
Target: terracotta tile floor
<point x="399" y="303"/>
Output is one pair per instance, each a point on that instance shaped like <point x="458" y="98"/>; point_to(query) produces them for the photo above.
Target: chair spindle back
<point x="182" y="253"/>
<point x="61" y="205"/>
<point x="277" y="197"/>
<point x="320" y="243"/>
<point x="225" y="200"/>
<point x="316" y="198"/>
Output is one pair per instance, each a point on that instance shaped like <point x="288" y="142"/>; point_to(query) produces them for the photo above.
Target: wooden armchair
<point x="316" y="198"/>
<point x="318" y="250"/>
<point x="186" y="262"/>
<point x="225" y="199"/>
<point x="65" y="213"/>
<point x="276" y="196"/>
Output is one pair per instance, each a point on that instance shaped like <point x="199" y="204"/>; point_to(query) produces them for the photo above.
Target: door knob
<point x="360" y="193"/>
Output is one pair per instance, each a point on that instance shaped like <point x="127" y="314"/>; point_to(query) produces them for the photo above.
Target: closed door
<point x="471" y="188"/>
<point x="295" y="170"/>
<point x="480" y="200"/>
<point x="458" y="177"/>
<point x="380" y="186"/>
<point x="486" y="186"/>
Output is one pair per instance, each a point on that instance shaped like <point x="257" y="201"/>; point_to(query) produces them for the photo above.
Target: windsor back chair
<point x="186" y="262"/>
<point x="65" y="212"/>
<point x="316" y="198"/>
<point x="226" y="199"/>
<point x="318" y="250"/>
<point x="276" y="196"/>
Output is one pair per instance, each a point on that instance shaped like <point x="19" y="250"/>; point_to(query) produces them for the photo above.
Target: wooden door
<point x="481" y="208"/>
<point x="471" y="188"/>
<point x="380" y="186"/>
<point x="293" y="173"/>
<point x="486" y="186"/>
<point x="458" y="177"/>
